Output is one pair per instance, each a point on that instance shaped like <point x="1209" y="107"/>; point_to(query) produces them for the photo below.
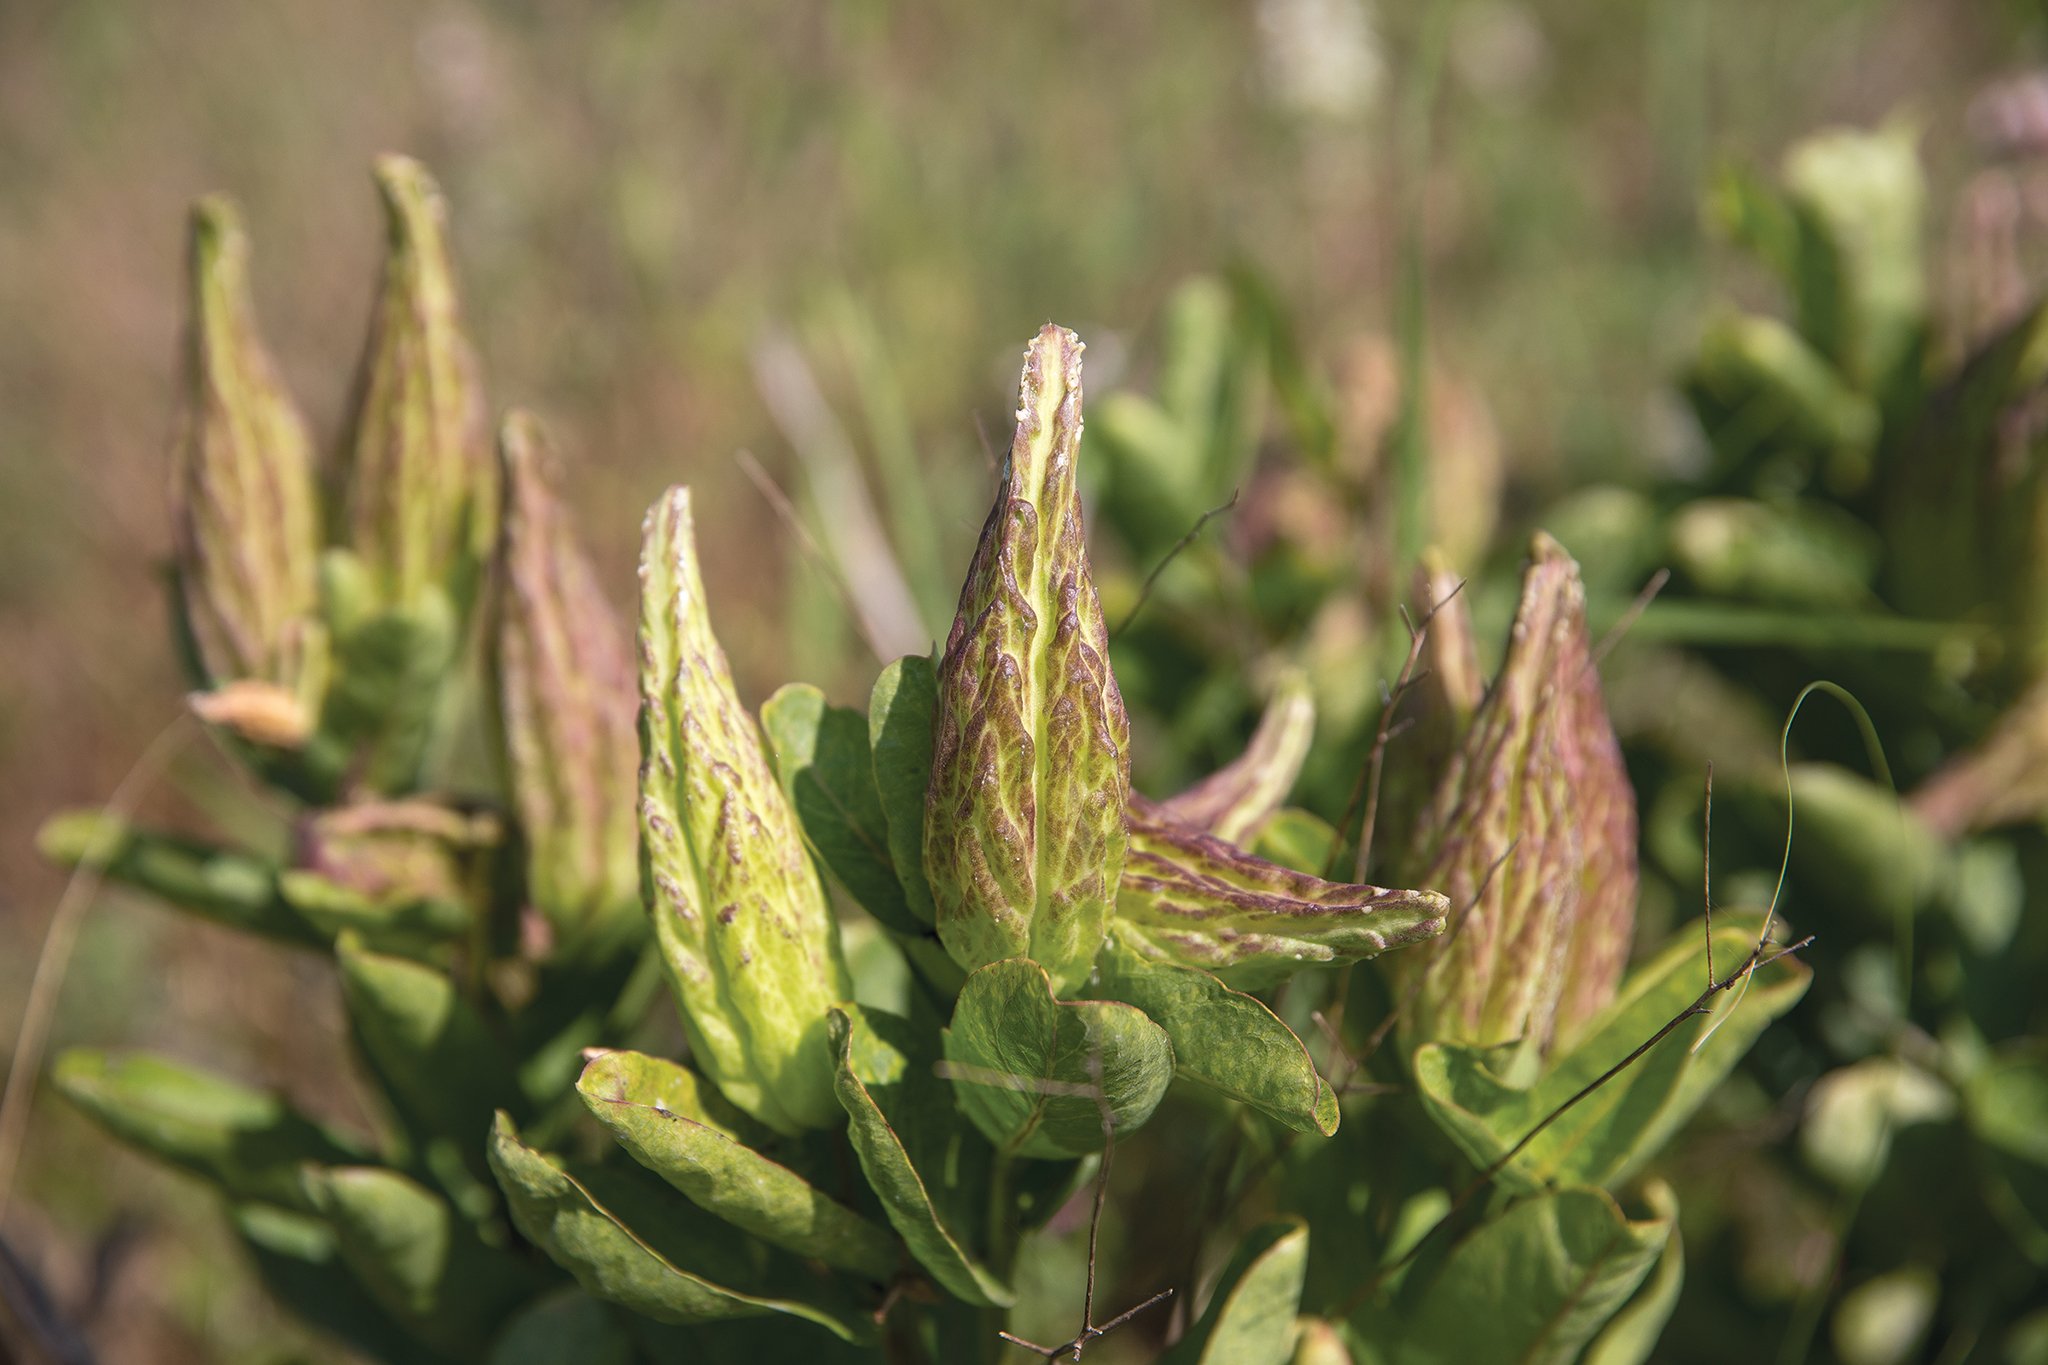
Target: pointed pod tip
<point x="413" y="205"/>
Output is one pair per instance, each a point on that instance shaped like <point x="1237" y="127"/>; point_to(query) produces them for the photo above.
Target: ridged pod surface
<point x="244" y="506"/>
<point x="418" y="487"/>
<point x="1025" y="817"/>
<point x="1532" y="832"/>
<point x="1189" y="898"/>
<point x="565" y="700"/>
<point x="738" y="909"/>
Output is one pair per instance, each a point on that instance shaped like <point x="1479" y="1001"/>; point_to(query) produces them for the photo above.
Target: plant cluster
<point x="961" y="1006"/>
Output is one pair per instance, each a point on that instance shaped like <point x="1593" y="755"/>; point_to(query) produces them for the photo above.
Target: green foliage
<point x="888" y="1129"/>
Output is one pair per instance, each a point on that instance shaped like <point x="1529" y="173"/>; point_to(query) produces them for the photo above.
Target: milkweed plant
<point x="984" y="1054"/>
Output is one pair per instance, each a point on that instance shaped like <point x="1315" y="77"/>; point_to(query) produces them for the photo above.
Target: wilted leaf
<point x="1198" y="901"/>
<point x="244" y="508"/>
<point x="1234" y="802"/>
<point x="565" y="704"/>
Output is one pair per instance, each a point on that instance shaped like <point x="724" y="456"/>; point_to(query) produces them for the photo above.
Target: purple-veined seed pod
<point x="245" y="518"/>
<point x="566" y="701"/>
<point x="738" y="908"/>
<point x="1025" y="819"/>
<point x="417" y="496"/>
<point x="1189" y="898"/>
<point x="1532" y="833"/>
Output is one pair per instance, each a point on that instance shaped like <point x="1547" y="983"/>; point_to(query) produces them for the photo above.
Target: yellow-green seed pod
<point x="244" y="518"/>
<point x="1025" y="818"/>
<point x="566" y="696"/>
<point x="418" y="487"/>
<point x="751" y="946"/>
<point x="1532" y="833"/>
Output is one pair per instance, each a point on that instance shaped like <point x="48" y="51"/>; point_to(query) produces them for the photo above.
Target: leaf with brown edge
<point x="1025" y="818"/>
<point x="1200" y="902"/>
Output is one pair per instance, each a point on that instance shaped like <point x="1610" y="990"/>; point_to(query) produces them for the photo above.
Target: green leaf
<point x="569" y="1325"/>
<point x="653" y="1109"/>
<point x="247" y="1142"/>
<point x="1613" y="1131"/>
<point x="902" y="1126"/>
<point x="389" y="667"/>
<point x="1200" y="902"/>
<point x="821" y="754"/>
<point x="1224" y="1039"/>
<point x="1250" y="1319"/>
<point x="295" y="1259"/>
<point x="1631" y="1336"/>
<point x="1025" y="823"/>
<point x="417" y="1256"/>
<point x="900" y="740"/>
<point x="406" y="926"/>
<point x="739" y="911"/>
<point x="446" y="1073"/>
<point x="576" y="1215"/>
<point x="214" y="883"/>
<point x="1297" y="839"/>
<point x="1043" y="1077"/>
<point x="1532" y="1285"/>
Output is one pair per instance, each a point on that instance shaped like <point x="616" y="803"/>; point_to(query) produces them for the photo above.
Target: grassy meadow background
<point x="641" y="192"/>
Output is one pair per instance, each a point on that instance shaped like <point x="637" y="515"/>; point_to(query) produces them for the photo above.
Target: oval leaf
<point x="1224" y="1039"/>
<point x="821" y="754"/>
<point x="900" y="742"/>
<point x="1532" y="1285"/>
<point x="1250" y="1318"/>
<point x="1045" y="1077"/>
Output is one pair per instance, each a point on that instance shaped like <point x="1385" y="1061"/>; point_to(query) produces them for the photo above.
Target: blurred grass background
<point x="641" y="191"/>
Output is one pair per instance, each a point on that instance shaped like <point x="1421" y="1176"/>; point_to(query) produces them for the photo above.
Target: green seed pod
<point x="750" y="942"/>
<point x="1025" y="818"/>
<point x="565" y="693"/>
<point x="244" y="515"/>
<point x="1532" y="831"/>
<point x="417" y="497"/>
<point x="1197" y="901"/>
